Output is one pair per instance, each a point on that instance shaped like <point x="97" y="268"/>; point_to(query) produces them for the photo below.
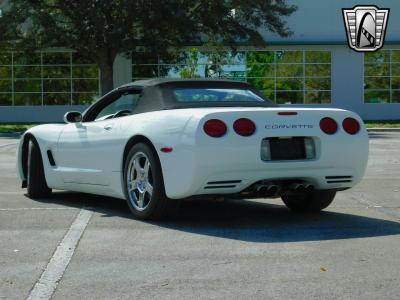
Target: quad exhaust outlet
<point x="301" y="187"/>
<point x="267" y="189"/>
<point x="274" y="189"/>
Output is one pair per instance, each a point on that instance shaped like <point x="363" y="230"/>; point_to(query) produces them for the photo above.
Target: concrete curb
<point x="11" y="134"/>
<point x="383" y="129"/>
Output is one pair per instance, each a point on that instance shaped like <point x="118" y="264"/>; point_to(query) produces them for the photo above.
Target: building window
<point x="47" y="78"/>
<point x="286" y="77"/>
<point x="224" y="64"/>
<point x="291" y="77"/>
<point x="382" y="77"/>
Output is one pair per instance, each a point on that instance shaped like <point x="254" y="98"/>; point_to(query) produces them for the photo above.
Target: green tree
<point x="190" y="70"/>
<point x="217" y="58"/>
<point x="100" y="29"/>
<point x="3" y="28"/>
<point x="9" y="32"/>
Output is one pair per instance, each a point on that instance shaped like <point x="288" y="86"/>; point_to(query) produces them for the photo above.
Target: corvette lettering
<point x="288" y="126"/>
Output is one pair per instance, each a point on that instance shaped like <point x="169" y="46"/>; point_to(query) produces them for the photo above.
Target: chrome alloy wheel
<point x="140" y="181"/>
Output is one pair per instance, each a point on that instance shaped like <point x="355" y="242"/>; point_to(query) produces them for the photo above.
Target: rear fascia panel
<point x="196" y="161"/>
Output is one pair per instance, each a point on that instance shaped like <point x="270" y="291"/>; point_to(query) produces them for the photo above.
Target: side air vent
<point x="338" y="179"/>
<point x="220" y="187"/>
<point x="51" y="158"/>
<point x="225" y="184"/>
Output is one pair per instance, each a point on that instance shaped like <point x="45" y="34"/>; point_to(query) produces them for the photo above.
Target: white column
<point x="122" y="70"/>
<point x="348" y="86"/>
<point x="347" y="78"/>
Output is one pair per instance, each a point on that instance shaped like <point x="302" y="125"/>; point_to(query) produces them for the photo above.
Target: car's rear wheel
<point x="309" y="202"/>
<point x="144" y="184"/>
<point x="36" y="181"/>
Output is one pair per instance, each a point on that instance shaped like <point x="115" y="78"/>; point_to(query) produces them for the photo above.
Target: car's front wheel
<point x="36" y="181"/>
<point x="144" y="184"/>
<point x="309" y="202"/>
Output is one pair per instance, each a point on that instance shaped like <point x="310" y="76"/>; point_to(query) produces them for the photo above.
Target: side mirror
<point x="73" y="117"/>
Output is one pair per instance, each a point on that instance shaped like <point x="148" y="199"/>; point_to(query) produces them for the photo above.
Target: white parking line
<point x="47" y="283"/>
<point x="36" y="208"/>
<point x="12" y="193"/>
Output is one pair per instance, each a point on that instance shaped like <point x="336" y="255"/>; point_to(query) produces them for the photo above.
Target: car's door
<point x="88" y="151"/>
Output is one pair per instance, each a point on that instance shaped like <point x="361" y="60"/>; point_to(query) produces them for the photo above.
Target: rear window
<point x="215" y="95"/>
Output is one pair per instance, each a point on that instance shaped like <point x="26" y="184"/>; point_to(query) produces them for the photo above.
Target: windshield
<point x="216" y="95"/>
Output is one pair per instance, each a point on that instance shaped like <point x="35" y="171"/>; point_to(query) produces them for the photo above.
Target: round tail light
<point x="328" y="125"/>
<point x="244" y="127"/>
<point x="215" y="128"/>
<point x="351" y="126"/>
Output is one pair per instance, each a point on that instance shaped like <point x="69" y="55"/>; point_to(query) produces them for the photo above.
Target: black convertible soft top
<point x="157" y="94"/>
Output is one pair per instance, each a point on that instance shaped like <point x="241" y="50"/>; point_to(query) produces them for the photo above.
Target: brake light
<point x="328" y="125"/>
<point x="351" y="126"/>
<point x="244" y="127"/>
<point x="215" y="128"/>
<point x="166" y="149"/>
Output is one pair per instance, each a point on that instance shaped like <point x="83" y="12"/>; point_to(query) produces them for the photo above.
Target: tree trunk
<point x="105" y="60"/>
<point x="106" y="76"/>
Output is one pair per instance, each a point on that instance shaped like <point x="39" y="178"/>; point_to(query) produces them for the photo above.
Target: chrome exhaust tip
<point x="309" y="187"/>
<point x="263" y="190"/>
<point x="260" y="188"/>
<point x="298" y="187"/>
<point x="267" y="189"/>
<point x="273" y="189"/>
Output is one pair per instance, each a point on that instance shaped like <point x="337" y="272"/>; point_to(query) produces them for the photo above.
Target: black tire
<point x="309" y="202"/>
<point x="158" y="204"/>
<point x="36" y="181"/>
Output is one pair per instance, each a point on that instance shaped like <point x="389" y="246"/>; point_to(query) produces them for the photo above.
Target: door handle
<point x="108" y="127"/>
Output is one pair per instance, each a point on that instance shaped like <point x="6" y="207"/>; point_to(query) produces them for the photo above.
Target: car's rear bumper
<point x="230" y="166"/>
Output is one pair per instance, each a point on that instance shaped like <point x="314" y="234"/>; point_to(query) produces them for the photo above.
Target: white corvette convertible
<point x="155" y="142"/>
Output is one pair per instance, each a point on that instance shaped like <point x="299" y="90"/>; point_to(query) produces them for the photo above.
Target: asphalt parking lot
<point x="228" y="250"/>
